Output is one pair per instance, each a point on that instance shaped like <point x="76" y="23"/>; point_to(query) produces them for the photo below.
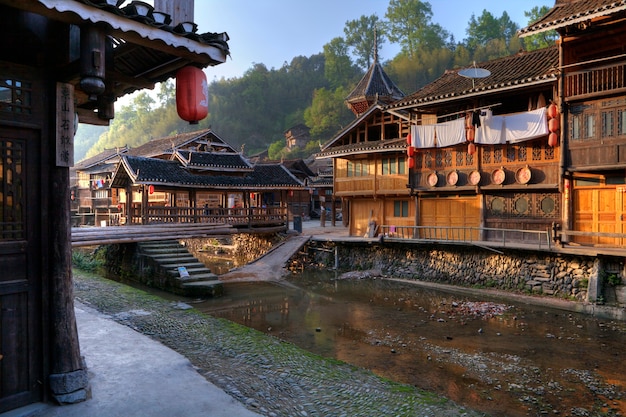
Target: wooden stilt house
<point x="65" y="62"/>
<point x="592" y="116"/>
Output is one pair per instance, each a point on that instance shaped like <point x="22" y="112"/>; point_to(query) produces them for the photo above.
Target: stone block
<point x="68" y="382"/>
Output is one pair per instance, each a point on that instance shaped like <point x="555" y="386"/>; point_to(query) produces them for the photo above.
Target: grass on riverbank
<point x="271" y="376"/>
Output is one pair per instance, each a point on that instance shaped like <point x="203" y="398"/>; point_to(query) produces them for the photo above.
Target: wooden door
<point x="600" y="210"/>
<point x="21" y="335"/>
<point x="450" y="218"/>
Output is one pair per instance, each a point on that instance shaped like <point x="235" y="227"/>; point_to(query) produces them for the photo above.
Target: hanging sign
<point x="65" y="127"/>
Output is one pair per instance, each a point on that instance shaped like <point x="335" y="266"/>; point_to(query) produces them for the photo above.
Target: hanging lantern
<point x="553" y="139"/>
<point x="553" y="124"/>
<point x="192" y="94"/>
<point x="470" y="133"/>
<point x="471" y="148"/>
<point x="553" y="111"/>
<point x="411" y="163"/>
<point x="408" y="139"/>
<point x="252" y="196"/>
<point x="150" y="189"/>
<point x="410" y="151"/>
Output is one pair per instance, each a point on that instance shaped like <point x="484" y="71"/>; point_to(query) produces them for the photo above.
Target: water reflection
<point x="505" y="359"/>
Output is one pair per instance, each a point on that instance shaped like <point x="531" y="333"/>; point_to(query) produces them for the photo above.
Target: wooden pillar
<point x="144" y="204"/>
<point x="68" y="380"/>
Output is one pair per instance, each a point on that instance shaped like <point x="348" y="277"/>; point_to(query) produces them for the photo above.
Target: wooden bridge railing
<point x="248" y="216"/>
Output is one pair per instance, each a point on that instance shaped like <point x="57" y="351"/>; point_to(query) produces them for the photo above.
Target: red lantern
<point x="410" y="151"/>
<point x="469" y="132"/>
<point x="471" y="148"/>
<point x="192" y="94"/>
<point x="553" y="111"/>
<point x="408" y="139"/>
<point x="150" y="189"/>
<point x="553" y="139"/>
<point x="411" y="163"/>
<point x="553" y="124"/>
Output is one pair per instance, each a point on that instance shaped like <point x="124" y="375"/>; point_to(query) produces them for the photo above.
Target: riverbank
<point x="268" y="376"/>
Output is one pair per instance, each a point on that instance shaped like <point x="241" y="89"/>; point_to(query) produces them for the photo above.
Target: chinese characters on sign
<point x="65" y="125"/>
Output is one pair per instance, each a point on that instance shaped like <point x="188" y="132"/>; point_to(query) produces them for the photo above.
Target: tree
<point x="364" y="36"/>
<point x="542" y="39"/>
<point x="339" y="69"/>
<point x="327" y="113"/>
<point x="409" y="25"/>
<point x="486" y="28"/>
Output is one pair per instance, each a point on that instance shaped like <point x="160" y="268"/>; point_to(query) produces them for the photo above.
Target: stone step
<point x="190" y="271"/>
<point x="189" y="265"/>
<point x="174" y="257"/>
<point x="203" y="288"/>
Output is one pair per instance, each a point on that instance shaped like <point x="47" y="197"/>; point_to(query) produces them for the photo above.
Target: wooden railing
<point x="250" y="216"/>
<point x="593" y="81"/>
<point x="470" y="235"/>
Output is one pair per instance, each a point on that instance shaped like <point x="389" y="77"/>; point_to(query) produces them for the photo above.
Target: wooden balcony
<point x="595" y="82"/>
<point x="237" y="217"/>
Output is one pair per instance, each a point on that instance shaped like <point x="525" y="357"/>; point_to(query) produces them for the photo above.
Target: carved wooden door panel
<point x="20" y="269"/>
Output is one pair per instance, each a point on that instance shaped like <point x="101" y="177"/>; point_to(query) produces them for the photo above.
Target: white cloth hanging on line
<point x="526" y="126"/>
<point x="491" y="129"/>
<point x="438" y="135"/>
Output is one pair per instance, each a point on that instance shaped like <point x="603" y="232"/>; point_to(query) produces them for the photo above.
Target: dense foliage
<point x="255" y="110"/>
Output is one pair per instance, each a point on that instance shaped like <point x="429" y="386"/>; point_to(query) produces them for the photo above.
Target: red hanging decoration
<point x="553" y="124"/>
<point x="410" y="151"/>
<point x="471" y="148"/>
<point x="553" y="111"/>
<point x="411" y="163"/>
<point x="408" y="139"/>
<point x="553" y="139"/>
<point x="470" y="132"/>
<point x="150" y="189"/>
<point x="192" y="94"/>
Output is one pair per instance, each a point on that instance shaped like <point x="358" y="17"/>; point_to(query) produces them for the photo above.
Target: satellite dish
<point x="474" y="73"/>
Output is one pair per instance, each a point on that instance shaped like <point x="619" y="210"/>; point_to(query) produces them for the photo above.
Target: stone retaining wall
<point x="570" y="277"/>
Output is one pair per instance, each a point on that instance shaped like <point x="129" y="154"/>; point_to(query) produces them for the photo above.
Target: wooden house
<point x="92" y="200"/>
<point x="479" y="152"/>
<point x="592" y="94"/>
<point x="369" y="159"/>
<point x="65" y="62"/>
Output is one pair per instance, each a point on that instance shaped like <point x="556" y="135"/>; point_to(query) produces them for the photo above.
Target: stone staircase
<point x="178" y="271"/>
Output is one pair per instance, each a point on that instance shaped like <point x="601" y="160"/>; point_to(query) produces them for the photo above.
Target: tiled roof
<point x="215" y="161"/>
<point x="100" y="158"/>
<point x="167" y="145"/>
<point x="570" y="12"/>
<point x="512" y="72"/>
<point x="375" y="85"/>
<point x="171" y="173"/>
<point x="395" y="145"/>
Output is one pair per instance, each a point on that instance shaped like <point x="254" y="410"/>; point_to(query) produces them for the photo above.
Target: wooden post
<point x="144" y="204"/>
<point x="69" y="381"/>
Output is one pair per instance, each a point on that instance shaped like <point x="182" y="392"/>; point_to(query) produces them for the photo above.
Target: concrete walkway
<point x="132" y="375"/>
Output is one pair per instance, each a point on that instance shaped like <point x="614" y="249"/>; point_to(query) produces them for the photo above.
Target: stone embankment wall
<point x="570" y="277"/>
<point x="242" y="247"/>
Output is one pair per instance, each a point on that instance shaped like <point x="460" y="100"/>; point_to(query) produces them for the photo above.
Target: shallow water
<point x="503" y="358"/>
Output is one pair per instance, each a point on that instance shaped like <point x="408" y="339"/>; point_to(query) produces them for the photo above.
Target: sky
<point x="273" y="32"/>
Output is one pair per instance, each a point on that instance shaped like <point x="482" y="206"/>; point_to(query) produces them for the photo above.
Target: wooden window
<point x="393" y="166"/>
<point x="400" y="208"/>
<point x="12" y="198"/>
<point x="15" y="96"/>
<point x="607" y="124"/>
<point x="590" y="126"/>
<point x="575" y="123"/>
<point x="349" y="169"/>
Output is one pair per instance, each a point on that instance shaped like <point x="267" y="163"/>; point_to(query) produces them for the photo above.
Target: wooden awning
<point x="144" y="53"/>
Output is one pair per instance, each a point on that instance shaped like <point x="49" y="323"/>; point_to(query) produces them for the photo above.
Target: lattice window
<point x="448" y="158"/>
<point x="12" y="182"/>
<point x="510" y="153"/>
<point x="428" y="159"/>
<point x="497" y="155"/>
<point x="549" y="153"/>
<point x="438" y="159"/>
<point x="521" y="153"/>
<point x="469" y="159"/>
<point x="16" y="96"/>
<point x="459" y="158"/>
<point x="487" y="155"/>
<point x="537" y="153"/>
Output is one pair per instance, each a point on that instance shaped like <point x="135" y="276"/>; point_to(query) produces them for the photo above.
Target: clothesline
<point x="469" y="110"/>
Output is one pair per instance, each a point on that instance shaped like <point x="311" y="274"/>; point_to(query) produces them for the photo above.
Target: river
<point x="503" y="358"/>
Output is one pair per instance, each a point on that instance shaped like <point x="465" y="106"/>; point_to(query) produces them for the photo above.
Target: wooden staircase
<point x="179" y="271"/>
